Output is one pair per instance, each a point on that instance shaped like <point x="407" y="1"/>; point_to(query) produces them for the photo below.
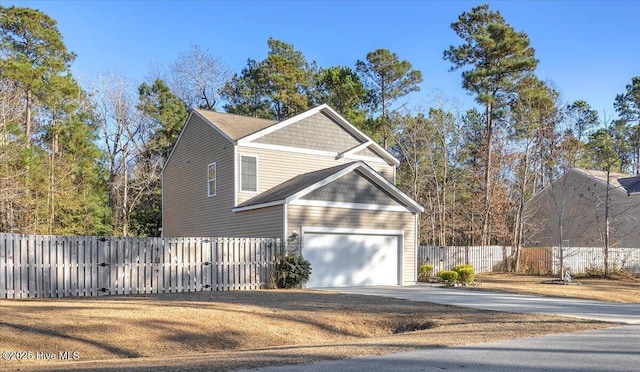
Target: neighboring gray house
<point x="314" y="179"/>
<point x="572" y="211"/>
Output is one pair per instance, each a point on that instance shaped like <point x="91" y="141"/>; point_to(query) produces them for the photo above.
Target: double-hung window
<point x="212" y="179"/>
<point x="248" y="173"/>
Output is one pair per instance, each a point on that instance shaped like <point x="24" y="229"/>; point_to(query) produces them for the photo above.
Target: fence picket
<point x="219" y="267"/>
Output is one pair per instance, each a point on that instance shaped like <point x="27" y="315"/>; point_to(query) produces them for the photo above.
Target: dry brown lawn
<point x="230" y="330"/>
<point x="625" y="290"/>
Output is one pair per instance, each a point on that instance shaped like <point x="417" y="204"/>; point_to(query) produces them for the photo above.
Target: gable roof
<point x="303" y="184"/>
<point x="235" y="126"/>
<point x="240" y="129"/>
<point x="344" y="123"/>
<point x="618" y="181"/>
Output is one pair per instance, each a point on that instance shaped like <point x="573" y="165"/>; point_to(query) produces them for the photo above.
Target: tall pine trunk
<point x="27" y="124"/>
<point x="485" y="237"/>
<point x="607" y="225"/>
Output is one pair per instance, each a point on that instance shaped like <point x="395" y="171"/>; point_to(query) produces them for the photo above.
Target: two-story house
<point x="313" y="180"/>
<point x="572" y="210"/>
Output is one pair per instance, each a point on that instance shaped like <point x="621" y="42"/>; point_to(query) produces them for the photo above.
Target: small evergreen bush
<point x="466" y="273"/>
<point x="425" y="272"/>
<point x="449" y="277"/>
<point x="291" y="271"/>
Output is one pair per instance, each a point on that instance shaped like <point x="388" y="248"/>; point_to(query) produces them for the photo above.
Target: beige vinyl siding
<point x="299" y="216"/>
<point x="187" y="209"/>
<point x="352" y="188"/>
<point x="276" y="167"/>
<point x="317" y="132"/>
<point x="258" y="223"/>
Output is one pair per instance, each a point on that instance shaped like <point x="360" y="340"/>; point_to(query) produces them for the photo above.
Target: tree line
<point x="88" y="160"/>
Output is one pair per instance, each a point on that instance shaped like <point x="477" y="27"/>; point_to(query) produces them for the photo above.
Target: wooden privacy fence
<point x="56" y="266"/>
<point x="482" y="258"/>
<point x="540" y="261"/>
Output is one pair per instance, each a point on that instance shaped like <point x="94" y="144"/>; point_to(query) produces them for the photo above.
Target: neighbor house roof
<point x="303" y="184"/>
<point x="235" y="126"/>
<point x="620" y="181"/>
<point x="631" y="184"/>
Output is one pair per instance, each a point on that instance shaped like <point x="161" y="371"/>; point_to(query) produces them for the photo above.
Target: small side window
<point x="211" y="179"/>
<point x="249" y="173"/>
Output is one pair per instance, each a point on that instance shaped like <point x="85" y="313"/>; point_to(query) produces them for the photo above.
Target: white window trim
<point x="257" y="171"/>
<point x="215" y="179"/>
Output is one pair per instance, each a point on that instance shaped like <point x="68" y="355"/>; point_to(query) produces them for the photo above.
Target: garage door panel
<point x="351" y="260"/>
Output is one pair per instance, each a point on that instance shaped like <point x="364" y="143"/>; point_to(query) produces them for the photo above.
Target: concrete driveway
<point x="596" y="310"/>
<point x="612" y="349"/>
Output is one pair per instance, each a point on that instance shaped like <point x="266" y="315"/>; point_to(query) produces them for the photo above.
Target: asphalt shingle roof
<point x="631" y="184"/>
<point x="293" y="185"/>
<point x="617" y="180"/>
<point x="235" y="126"/>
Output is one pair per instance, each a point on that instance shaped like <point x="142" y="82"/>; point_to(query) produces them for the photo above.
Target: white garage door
<point x="348" y="259"/>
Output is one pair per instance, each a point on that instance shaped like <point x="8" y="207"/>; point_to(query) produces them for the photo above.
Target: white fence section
<point x="56" y="266"/>
<point x="533" y="260"/>
<point x="581" y="260"/>
<point x="482" y="258"/>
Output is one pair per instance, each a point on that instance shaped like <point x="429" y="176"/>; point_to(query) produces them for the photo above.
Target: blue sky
<point x="587" y="49"/>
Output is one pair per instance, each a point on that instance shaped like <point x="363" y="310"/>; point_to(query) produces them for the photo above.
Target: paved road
<point x="612" y="349"/>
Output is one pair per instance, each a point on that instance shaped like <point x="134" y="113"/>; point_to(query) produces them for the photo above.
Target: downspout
<point x="162" y="202"/>
<point x="285" y="221"/>
<point x="415" y="246"/>
<point x="235" y="175"/>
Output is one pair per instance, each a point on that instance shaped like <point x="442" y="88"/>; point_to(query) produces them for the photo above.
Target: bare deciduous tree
<point x="123" y="133"/>
<point x="197" y="78"/>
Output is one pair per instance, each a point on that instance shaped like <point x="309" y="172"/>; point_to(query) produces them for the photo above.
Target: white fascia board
<point x="296" y="150"/>
<point x="347" y="230"/>
<point x="354" y="149"/>
<point x="368" y="159"/>
<point x="370" y="207"/>
<point x="258" y="206"/>
<point x="280" y="125"/>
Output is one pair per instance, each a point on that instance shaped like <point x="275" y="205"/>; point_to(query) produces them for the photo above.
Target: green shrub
<point x="449" y="277"/>
<point x="291" y="271"/>
<point x="425" y="272"/>
<point x="466" y="273"/>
